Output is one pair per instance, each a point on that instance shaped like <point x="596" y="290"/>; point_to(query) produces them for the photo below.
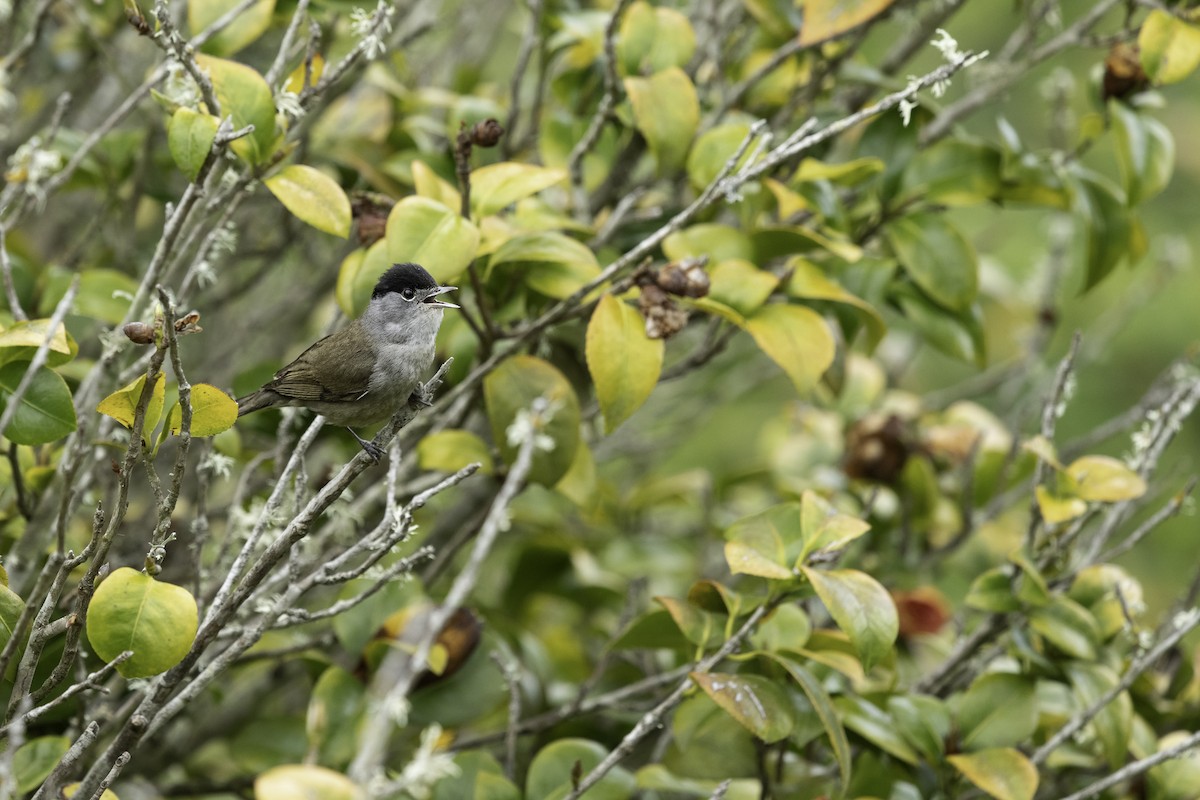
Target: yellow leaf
<point x="213" y="412"/>
<point x="624" y="363"/>
<point x="825" y="19"/>
<point x="121" y="404"/>
<point x="795" y="338"/>
<point x="313" y="197"/>
<point x="1002" y="772"/>
<point x="1105" y="479"/>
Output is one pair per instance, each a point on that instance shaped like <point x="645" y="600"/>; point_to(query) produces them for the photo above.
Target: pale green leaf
<point x="795" y="338"/>
<point x="1104" y="479"/>
<point x="305" y="782"/>
<point x="213" y="412"/>
<point x="245" y="28"/>
<point x="937" y="257"/>
<point x="1169" y="47"/>
<point x="758" y="704"/>
<point x="624" y="363"/>
<point x="495" y="186"/>
<point x="1002" y="772"/>
<point x="425" y="232"/>
<point x="826" y="19"/>
<point x="313" y="197"/>
<point x="667" y="112"/>
<point x="190" y="136"/>
<point x="451" y="450"/>
<point x="1145" y="152"/>
<point x="155" y="620"/>
<point x="245" y="96"/>
<point x="510" y="390"/>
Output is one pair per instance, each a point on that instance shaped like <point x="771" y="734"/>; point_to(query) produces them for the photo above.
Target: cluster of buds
<point x="149" y="332"/>
<point x="877" y="448"/>
<point x="370" y="210"/>
<point x="664" y="317"/>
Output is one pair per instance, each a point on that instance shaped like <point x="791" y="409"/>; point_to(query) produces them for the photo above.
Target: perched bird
<point x="363" y="373"/>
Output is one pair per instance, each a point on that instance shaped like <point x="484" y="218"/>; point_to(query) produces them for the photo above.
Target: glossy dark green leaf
<point x="45" y="413"/>
<point x="479" y="777"/>
<point x="954" y="173"/>
<point x="1108" y="224"/>
<point x="874" y="725"/>
<point x="1068" y="626"/>
<point x="190" y="136"/>
<point x="36" y="759"/>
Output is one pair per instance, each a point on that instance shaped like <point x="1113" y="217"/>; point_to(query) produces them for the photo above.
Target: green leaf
<point x="845" y="173"/>
<point x="190" y="136"/>
<point x="33" y="761"/>
<point x="623" y="361"/>
<point x="1002" y="772"/>
<point x="511" y="389"/>
<point x="1114" y="723"/>
<point x="496" y="186"/>
<point x="428" y="183"/>
<point x="579" y="483"/>
<point x="797" y="339"/>
<point x="874" y="725"/>
<point x="953" y="173"/>
<point x="809" y="282"/>
<point x="549" y="776"/>
<point x="861" y="608"/>
<point x="717" y="242"/>
<point x="21" y="341"/>
<point x="121" y="404"/>
<point x="924" y="721"/>
<point x="701" y="628"/>
<point x="652" y="39"/>
<point x="451" y="450"/>
<point x="713" y="149"/>
<point x="826" y="712"/>
<point x="213" y="412"/>
<point x="1108" y="223"/>
<point x="132" y="611"/>
<point x="1104" y="479"/>
<point x="304" y="782"/>
<point x="245" y="28"/>
<point x="758" y="704"/>
<point x="245" y="96"/>
<point x="937" y="257"/>
<point x="46" y="411"/>
<point x="1169" y="47"/>
<point x="479" y="777"/>
<point x="999" y="709"/>
<point x="425" y="232"/>
<point x="335" y="707"/>
<point x="740" y="285"/>
<point x="1068" y="626"/>
<point x="550" y="263"/>
<point x="823" y="529"/>
<point x="11" y="606"/>
<point x="959" y="335"/>
<point x="357" y="276"/>
<point x="1145" y="152"/>
<point x="993" y="591"/>
<point x="103" y="293"/>
<point x="313" y="197"/>
<point x="786" y="628"/>
<point x="1056" y="508"/>
<point x="826" y="19"/>
<point x="759" y="544"/>
<point x="667" y="112"/>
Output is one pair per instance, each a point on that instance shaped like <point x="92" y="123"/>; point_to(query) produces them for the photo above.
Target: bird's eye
<point x="408" y="294"/>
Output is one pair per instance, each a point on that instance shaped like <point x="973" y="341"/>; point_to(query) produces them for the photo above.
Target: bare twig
<point x="1136" y="768"/>
<point x="612" y="88"/>
<point x="10" y="288"/>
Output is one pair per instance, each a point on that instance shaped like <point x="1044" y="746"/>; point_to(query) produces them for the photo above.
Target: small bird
<point x="363" y="373"/>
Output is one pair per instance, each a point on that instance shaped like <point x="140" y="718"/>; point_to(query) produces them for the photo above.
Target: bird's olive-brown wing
<point x="336" y="368"/>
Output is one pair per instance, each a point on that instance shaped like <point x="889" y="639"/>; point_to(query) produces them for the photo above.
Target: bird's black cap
<point x="403" y="276"/>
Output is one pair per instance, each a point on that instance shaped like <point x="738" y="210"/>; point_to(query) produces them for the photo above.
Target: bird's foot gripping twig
<point x="422" y="396"/>
<point x="373" y="451"/>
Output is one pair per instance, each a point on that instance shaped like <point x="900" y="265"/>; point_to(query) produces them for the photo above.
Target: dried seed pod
<point x="1123" y="73"/>
<point x="877" y="448"/>
<point x="664" y="318"/>
<point x="685" y="278"/>
<point x="370" y="210"/>
<point x="139" y="333"/>
<point x="188" y="323"/>
<point x="486" y="133"/>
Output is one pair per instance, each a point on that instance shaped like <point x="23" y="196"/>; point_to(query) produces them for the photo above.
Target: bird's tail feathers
<point x="256" y="401"/>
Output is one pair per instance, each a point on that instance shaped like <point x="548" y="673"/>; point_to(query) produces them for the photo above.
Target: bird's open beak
<point x="431" y="298"/>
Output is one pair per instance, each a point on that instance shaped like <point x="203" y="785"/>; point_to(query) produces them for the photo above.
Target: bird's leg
<point x="374" y="451"/>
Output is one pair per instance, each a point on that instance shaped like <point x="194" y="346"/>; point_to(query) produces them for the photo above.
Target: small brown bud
<point x="486" y="133"/>
<point x="139" y="333"/>
<point x="685" y="278"/>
